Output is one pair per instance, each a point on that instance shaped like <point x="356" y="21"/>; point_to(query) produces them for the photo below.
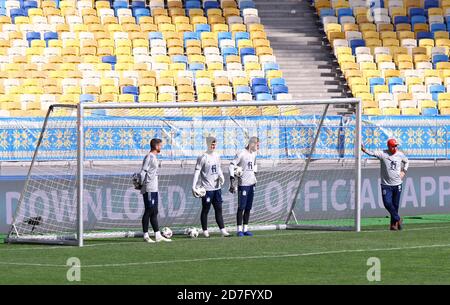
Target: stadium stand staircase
<point x="302" y="50"/>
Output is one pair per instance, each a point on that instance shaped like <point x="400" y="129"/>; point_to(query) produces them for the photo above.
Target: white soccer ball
<point x="199" y="192"/>
<point x="166" y="232"/>
<point x="192" y="232"/>
<point x="238" y="171"/>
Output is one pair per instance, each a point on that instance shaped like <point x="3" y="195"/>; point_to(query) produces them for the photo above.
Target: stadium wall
<point x="425" y="191"/>
<point x="109" y="138"/>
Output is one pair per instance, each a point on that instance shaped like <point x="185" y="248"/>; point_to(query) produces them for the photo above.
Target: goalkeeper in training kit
<point x="149" y="191"/>
<point x="394" y="165"/>
<point x="208" y="176"/>
<point x="246" y="159"/>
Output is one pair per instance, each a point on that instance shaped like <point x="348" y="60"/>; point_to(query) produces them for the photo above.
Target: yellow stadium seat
<point x="126" y="98"/>
<point x="410" y="111"/>
<point x="205" y="97"/>
<point x="185" y="97"/>
<point x="147" y="97"/>
<point x="372" y="111"/>
<point x="106" y="98"/>
<point x="444" y="111"/>
<point x="390" y="111"/>
<point x="165" y="97"/>
<point x="147" y="89"/>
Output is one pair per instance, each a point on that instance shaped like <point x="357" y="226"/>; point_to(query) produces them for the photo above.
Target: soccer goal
<point x="79" y="182"/>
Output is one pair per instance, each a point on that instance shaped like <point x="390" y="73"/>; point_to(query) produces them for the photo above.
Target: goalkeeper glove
<point x="233" y="187"/>
<point x="221" y="181"/>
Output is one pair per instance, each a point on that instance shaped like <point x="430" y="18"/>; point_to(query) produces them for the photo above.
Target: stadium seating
<point x="394" y="55"/>
<point x="133" y="51"/>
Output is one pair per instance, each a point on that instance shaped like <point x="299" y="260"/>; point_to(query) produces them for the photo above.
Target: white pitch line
<point x="297" y="232"/>
<point x="228" y="258"/>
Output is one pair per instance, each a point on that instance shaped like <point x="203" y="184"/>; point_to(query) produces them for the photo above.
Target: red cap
<point x="392" y="143"/>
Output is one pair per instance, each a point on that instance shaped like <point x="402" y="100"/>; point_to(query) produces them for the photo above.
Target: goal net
<point x="79" y="182"/>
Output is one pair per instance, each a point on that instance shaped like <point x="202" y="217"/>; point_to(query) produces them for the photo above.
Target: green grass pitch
<point x="419" y="254"/>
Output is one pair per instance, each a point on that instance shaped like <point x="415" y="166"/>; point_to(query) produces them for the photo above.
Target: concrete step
<point x="303" y="54"/>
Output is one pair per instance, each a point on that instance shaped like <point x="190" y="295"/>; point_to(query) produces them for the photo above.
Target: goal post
<point x="79" y="182"/>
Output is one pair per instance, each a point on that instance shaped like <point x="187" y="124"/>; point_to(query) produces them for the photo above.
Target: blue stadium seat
<point x="210" y="4"/>
<point x="416" y="11"/>
<point x="418" y="19"/>
<point x="435" y="90"/>
<point x="229" y="51"/>
<point x="246" y="4"/>
<point x="430" y="111"/>
<point x="276" y="89"/>
<point x="374" y="81"/>
<point x="264" y="97"/>
<point x="87" y="98"/>
<point x="50" y="36"/>
<point x="195" y="66"/>
<point x="16" y="12"/>
<point x="241" y="35"/>
<point x="155" y="35"/>
<point x="424" y="35"/>
<point x="259" y="81"/>
<point x="191" y="35"/>
<point x="29" y="4"/>
<point x="434" y="27"/>
<point x="439" y="58"/>
<point x="247" y="51"/>
<point x="354" y="43"/>
<point x="277" y="81"/>
<point x="130" y="90"/>
<point x="271" y="66"/>
<point x="192" y="4"/>
<point x="401" y="19"/>
<point x="324" y="12"/>
<point x="33" y="36"/>
<point x="109" y="59"/>
<point x="224" y="35"/>
<point x="119" y="4"/>
<point x="140" y="11"/>
<point x="179" y="58"/>
<point x="138" y="4"/>
<point x="260" y="89"/>
<point x="202" y="27"/>
<point x="243" y="89"/>
<point x="430" y="3"/>
<point x="341" y="12"/>
<point x="393" y="81"/>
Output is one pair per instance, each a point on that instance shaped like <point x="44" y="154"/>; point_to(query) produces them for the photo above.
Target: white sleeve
<point x="234" y="163"/>
<point x="198" y="168"/>
<point x="146" y="163"/>
<point x="405" y="161"/>
<point x="255" y="166"/>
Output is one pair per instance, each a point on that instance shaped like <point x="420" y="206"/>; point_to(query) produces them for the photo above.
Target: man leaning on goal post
<point x="393" y="167"/>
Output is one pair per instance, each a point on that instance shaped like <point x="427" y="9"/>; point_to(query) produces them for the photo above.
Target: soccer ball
<point x="238" y="171"/>
<point x="191" y="232"/>
<point x="199" y="192"/>
<point x="166" y="232"/>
